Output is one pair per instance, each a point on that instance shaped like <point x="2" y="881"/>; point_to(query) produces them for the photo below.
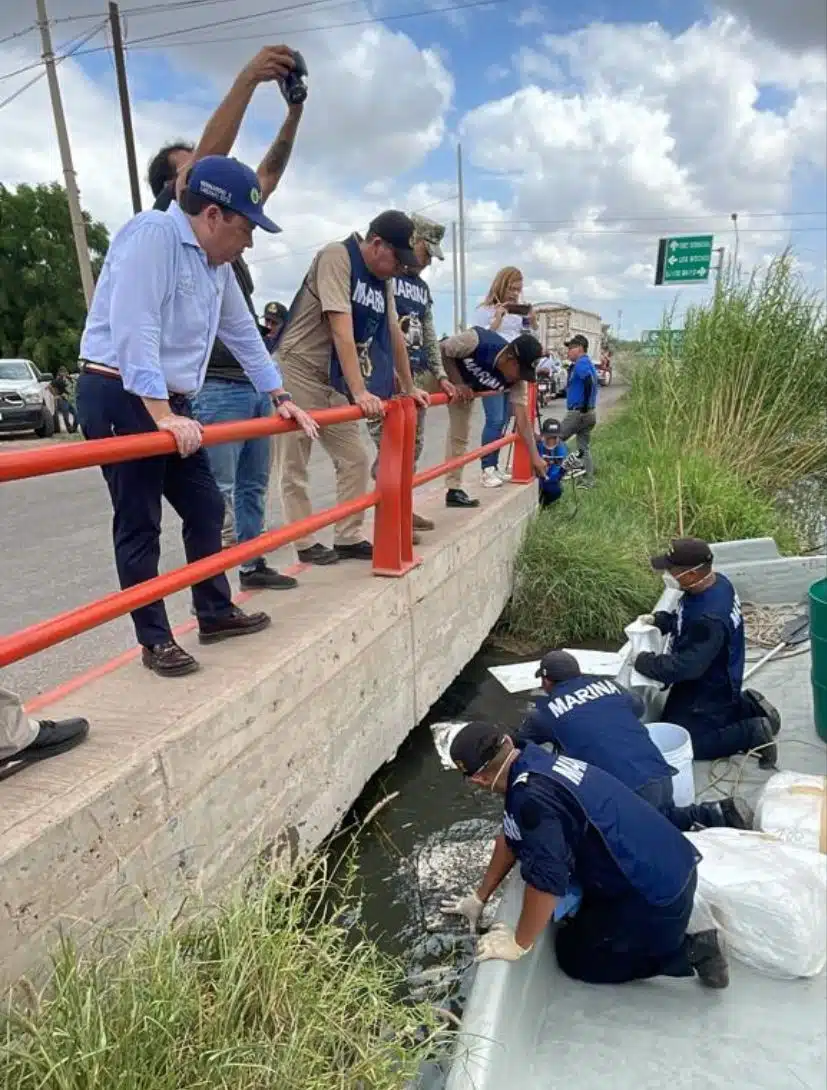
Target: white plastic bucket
<point x="676" y="746"/>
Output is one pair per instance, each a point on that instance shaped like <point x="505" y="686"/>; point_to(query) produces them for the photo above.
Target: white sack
<point x="767" y="898"/>
<point x="793" y="807"/>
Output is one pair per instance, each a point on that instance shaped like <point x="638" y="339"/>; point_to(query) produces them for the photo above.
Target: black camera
<point x="294" y="84"/>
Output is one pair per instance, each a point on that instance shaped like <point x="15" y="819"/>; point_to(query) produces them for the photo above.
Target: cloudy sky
<point x="585" y="137"/>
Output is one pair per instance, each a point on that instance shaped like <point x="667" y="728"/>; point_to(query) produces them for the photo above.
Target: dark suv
<point x="25" y="399"/>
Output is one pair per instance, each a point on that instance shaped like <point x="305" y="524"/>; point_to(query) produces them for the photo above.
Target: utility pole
<point x="75" y="213"/>
<point x="455" y="262"/>
<point x="719" y="250"/>
<point x="461" y="199"/>
<point x="126" y="112"/>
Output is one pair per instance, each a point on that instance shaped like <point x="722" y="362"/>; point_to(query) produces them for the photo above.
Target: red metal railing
<point x="393" y="499"/>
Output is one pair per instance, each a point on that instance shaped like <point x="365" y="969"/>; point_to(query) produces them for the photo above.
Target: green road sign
<point x="685" y="259"/>
<point x="655" y="341"/>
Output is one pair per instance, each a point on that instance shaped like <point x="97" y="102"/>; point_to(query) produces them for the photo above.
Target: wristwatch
<point x="280" y="399"/>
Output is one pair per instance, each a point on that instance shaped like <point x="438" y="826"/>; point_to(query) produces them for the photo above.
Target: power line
<point x="137" y="44"/>
<point x="19" y="33"/>
<point x="86" y="37"/>
<point x="600" y="232"/>
<point x="144" y="9"/>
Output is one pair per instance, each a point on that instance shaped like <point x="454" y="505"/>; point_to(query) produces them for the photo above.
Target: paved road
<point x="57" y="554"/>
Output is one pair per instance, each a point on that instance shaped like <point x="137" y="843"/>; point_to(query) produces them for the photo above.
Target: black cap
<point x="550" y="426"/>
<point x="558" y="666"/>
<point x="577" y="341"/>
<point x="686" y="552"/>
<point x="475" y="745"/>
<point x="398" y="230"/>
<point x="527" y="350"/>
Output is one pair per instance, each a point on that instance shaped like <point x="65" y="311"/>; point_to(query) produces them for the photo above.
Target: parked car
<point x="26" y="404"/>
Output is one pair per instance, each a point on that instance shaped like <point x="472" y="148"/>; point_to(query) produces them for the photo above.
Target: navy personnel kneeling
<point x="568" y="822"/>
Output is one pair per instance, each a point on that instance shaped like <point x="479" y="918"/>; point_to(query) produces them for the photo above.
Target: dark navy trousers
<point x="136" y="488"/>
<point x="660" y="794"/>
<point x="612" y="941"/>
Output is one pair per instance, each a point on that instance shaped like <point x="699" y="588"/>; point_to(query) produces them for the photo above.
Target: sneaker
<point x="54" y="736"/>
<point x="168" y="660"/>
<point x="318" y="554"/>
<point x="491" y="478"/>
<point x="421" y="523"/>
<point x="708" y="960"/>
<point x="268" y="578"/>
<point x="737" y="813"/>
<point x="234" y="623"/>
<point x="359" y="550"/>
<point x="458" y="497"/>
<point x="417" y="539"/>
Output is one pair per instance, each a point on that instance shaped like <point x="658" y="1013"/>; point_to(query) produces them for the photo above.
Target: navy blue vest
<point x="478" y="371"/>
<point x="369" y="309"/>
<point x="719" y="602"/>
<point x="413" y="298"/>
<point x="652" y="855"/>
<point x="592" y="719"/>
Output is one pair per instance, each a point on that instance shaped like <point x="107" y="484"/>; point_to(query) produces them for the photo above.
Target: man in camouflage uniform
<point x="414" y="307"/>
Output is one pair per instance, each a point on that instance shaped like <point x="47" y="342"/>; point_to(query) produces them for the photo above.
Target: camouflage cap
<point x="430" y="233"/>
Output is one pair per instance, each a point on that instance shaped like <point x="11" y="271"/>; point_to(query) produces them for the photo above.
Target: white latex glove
<point x="647" y="618"/>
<point x="469" y="906"/>
<point x="186" y="432"/>
<point x="500" y="944"/>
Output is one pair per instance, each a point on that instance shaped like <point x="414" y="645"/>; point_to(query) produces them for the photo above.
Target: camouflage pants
<point x="424" y="380"/>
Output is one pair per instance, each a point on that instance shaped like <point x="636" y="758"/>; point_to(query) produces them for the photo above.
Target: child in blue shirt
<point x="550" y="447"/>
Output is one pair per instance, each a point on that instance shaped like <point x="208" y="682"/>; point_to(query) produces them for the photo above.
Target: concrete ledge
<point x="183" y="781"/>
<point x="775" y="581"/>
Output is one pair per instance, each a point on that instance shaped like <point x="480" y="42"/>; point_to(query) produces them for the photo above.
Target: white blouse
<point x="510" y="327"/>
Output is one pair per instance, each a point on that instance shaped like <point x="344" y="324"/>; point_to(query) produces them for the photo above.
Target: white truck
<point x="558" y="322"/>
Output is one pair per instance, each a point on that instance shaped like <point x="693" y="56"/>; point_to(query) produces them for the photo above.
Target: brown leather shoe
<point x="235" y="623"/>
<point x="168" y="660"/>
<point x="421" y="523"/>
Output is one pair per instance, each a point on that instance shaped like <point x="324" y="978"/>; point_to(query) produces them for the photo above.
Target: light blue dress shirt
<point x="159" y="305"/>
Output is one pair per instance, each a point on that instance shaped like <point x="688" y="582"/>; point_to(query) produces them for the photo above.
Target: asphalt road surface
<point x="55" y="535"/>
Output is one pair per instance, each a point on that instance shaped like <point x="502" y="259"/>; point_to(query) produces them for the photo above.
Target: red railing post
<point x="393" y="525"/>
<point x="522" y="471"/>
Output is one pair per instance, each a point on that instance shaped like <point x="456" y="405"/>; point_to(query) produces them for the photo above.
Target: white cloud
<point x="618" y="134"/>
<point x="651" y="135"/>
<point x="796" y="24"/>
<point x="531" y="16"/>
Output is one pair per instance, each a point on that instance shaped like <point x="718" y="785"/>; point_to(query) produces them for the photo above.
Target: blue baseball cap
<point x="233" y="185"/>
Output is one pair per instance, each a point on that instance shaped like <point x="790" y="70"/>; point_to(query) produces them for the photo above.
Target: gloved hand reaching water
<point x="500" y="944"/>
<point x="469" y="906"/>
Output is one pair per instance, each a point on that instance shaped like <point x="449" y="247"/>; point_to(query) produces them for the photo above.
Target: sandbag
<point x="642" y="637"/>
<point x="767" y="898"/>
<point x="793" y="807"/>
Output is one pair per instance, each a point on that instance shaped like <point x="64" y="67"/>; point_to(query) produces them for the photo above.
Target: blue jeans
<point x="496" y="418"/>
<point x="241" y="470"/>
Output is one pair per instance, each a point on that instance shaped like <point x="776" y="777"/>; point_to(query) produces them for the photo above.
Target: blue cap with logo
<point x="233" y="185"/>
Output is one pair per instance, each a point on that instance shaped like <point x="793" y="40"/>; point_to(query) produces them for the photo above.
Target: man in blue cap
<point x="568" y="822"/>
<point x="165" y="291"/>
<point x="594" y="719"/>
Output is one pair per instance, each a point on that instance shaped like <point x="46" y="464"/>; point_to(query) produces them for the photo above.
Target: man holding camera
<point x="342" y="344"/>
<point x="241" y="469"/>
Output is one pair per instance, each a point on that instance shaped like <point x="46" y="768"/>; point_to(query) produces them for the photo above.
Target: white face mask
<point x="671" y="583"/>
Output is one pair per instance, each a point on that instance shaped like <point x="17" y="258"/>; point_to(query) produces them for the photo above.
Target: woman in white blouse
<point x="495" y="313"/>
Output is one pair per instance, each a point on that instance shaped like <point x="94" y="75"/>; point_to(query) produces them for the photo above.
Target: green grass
<point x="701" y="447"/>
<point x="270" y="992"/>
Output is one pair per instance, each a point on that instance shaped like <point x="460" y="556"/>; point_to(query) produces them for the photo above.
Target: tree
<point x="42" y="309"/>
